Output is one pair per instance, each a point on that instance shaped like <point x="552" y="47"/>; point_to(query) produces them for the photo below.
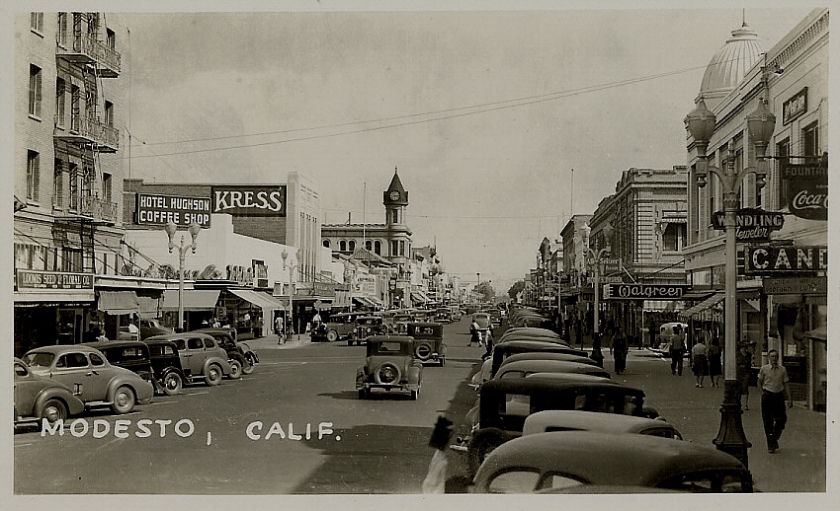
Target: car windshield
<point x="39" y="359"/>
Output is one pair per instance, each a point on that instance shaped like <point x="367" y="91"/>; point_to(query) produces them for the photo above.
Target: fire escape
<point x="87" y="134"/>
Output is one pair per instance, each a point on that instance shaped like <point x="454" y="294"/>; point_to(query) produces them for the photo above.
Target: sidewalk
<point x="269" y="342"/>
<point x="800" y="463"/>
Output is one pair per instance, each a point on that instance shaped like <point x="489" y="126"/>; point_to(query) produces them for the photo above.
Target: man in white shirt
<point x="773" y="382"/>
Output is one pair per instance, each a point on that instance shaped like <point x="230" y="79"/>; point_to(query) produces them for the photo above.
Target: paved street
<point x="383" y="441"/>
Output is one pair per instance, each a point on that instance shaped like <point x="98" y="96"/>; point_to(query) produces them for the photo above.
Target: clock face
<point x="395" y="195"/>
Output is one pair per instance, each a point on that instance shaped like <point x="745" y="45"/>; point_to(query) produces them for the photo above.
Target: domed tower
<point x="729" y="65"/>
<point x="395" y="199"/>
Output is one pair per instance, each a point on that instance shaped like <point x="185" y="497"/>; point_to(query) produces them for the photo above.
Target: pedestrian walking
<point x="435" y="481"/>
<point x="474" y="337"/>
<point x="699" y="362"/>
<point x="596" y="355"/>
<point x="620" y="351"/>
<point x="677" y="352"/>
<point x="714" y="362"/>
<point x="652" y="334"/>
<point x="488" y="344"/>
<point x="743" y="362"/>
<point x="773" y="382"/>
<point x="579" y="333"/>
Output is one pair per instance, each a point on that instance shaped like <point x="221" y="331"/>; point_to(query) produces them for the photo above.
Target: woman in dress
<point x="714" y="362"/>
<point x="699" y="362"/>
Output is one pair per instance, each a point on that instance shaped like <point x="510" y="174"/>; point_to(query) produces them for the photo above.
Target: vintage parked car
<point x="39" y="398"/>
<point x="150" y="327"/>
<point x="367" y="326"/>
<point x="166" y="363"/>
<point x="530" y="332"/>
<point x="90" y="376"/>
<point x="554" y="461"/>
<point x="503" y="350"/>
<point x="390" y="365"/>
<point x="239" y="351"/>
<point x="549" y="356"/>
<point x="504" y="405"/>
<point x="131" y="355"/>
<point x="338" y="327"/>
<point x="523" y="368"/>
<point x="428" y="342"/>
<point x="201" y="357"/>
<point x="578" y="420"/>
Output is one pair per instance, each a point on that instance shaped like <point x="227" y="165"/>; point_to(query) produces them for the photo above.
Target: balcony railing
<point x="86" y="131"/>
<point x="97" y="208"/>
<point x="84" y="50"/>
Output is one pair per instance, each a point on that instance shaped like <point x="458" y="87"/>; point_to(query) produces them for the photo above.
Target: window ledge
<point x="33" y="202"/>
<point x="36" y="32"/>
<point x="35" y="117"/>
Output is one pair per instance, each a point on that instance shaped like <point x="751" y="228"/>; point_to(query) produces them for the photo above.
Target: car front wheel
<point x="123" y="400"/>
<point x="214" y="375"/>
<point x="332" y="336"/>
<point x="235" y="369"/>
<point x="53" y="410"/>
<point x="172" y="383"/>
<point x="249" y="366"/>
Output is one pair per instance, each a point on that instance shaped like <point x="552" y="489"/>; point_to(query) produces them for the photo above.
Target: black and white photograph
<point x="353" y="249"/>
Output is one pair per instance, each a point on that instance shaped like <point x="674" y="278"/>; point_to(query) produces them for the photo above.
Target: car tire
<point x="235" y="370"/>
<point x="53" y="410"/>
<point x="124" y="400"/>
<point x="415" y="394"/>
<point x="349" y="342"/>
<point x="172" y="383"/>
<point x="248" y="366"/>
<point x="363" y="393"/>
<point x="482" y="443"/>
<point x="214" y="375"/>
<point x="385" y="368"/>
<point x="442" y="361"/>
<point x="332" y="335"/>
<point x="423" y="351"/>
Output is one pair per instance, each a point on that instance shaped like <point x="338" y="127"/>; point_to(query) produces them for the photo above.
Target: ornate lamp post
<point x="292" y="265"/>
<point x="595" y="257"/>
<point x="700" y="123"/>
<point x="171" y="229"/>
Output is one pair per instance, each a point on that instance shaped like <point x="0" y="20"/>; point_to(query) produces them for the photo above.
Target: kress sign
<point x="242" y="200"/>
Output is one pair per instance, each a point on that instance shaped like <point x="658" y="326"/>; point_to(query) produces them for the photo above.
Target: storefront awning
<point x="366" y="301"/>
<point x="62" y="296"/>
<point x="706" y="304"/>
<point x="260" y="299"/>
<point x="697" y="295"/>
<point x="194" y="299"/>
<point x="148" y="307"/>
<point x="418" y="297"/>
<point x="116" y="303"/>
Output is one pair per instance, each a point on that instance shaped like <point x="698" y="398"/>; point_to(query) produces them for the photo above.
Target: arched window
<point x="368" y="245"/>
<point x="342" y="246"/>
<point x="326" y="243"/>
<point x="352" y="245"/>
<point x="377" y="248"/>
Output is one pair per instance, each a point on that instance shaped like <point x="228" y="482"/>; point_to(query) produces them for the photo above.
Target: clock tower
<point x="395" y="199"/>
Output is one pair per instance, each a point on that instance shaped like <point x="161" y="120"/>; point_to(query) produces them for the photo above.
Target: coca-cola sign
<point x="807" y="187"/>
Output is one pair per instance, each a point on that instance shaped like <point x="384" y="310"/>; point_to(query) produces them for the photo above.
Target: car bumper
<point x="388" y="386"/>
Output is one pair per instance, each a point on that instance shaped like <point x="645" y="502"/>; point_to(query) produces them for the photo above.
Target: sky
<point x="483" y="113"/>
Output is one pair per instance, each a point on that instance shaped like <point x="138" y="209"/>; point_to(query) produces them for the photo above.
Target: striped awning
<point x="706" y="304"/>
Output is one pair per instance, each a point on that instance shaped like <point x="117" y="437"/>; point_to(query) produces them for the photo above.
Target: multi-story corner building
<point x="574" y="256"/>
<point x="70" y="101"/>
<point x="647" y="214"/>
<point x="391" y="240"/>
<point x="779" y="304"/>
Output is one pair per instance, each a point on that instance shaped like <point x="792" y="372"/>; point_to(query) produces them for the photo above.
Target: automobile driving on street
<point x="428" y="342"/>
<point x="390" y="365"/>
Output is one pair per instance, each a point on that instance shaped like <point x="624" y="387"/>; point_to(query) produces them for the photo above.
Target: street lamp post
<point x="596" y="256"/>
<point x="760" y="125"/>
<point x="171" y="228"/>
<point x="292" y="267"/>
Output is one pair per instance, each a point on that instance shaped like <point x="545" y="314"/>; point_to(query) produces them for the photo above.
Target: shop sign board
<point x="249" y="200"/>
<point x="752" y="224"/>
<point x="242" y="275"/>
<point x="260" y="270"/>
<point x="159" y="209"/>
<point x="784" y="260"/>
<point x="807" y="189"/>
<point x="32" y="279"/>
<point x="614" y="279"/>
<point x="645" y="291"/>
<point x="796" y="286"/>
<point x="795" y="106"/>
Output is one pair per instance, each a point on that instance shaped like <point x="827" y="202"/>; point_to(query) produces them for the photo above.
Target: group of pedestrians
<point x="706" y="361"/>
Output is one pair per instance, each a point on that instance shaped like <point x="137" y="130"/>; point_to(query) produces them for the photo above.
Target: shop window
<point x="33" y="175"/>
<point x="35" y="90"/>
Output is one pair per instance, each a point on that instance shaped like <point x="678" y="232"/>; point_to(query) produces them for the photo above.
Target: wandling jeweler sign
<point x="645" y="291"/>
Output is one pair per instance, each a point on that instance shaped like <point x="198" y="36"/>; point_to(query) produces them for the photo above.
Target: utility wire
<point x="457" y="113"/>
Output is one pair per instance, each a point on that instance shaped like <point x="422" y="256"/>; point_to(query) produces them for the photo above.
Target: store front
<point x="252" y="312"/>
<point x="51" y="308"/>
<point x="199" y="308"/>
